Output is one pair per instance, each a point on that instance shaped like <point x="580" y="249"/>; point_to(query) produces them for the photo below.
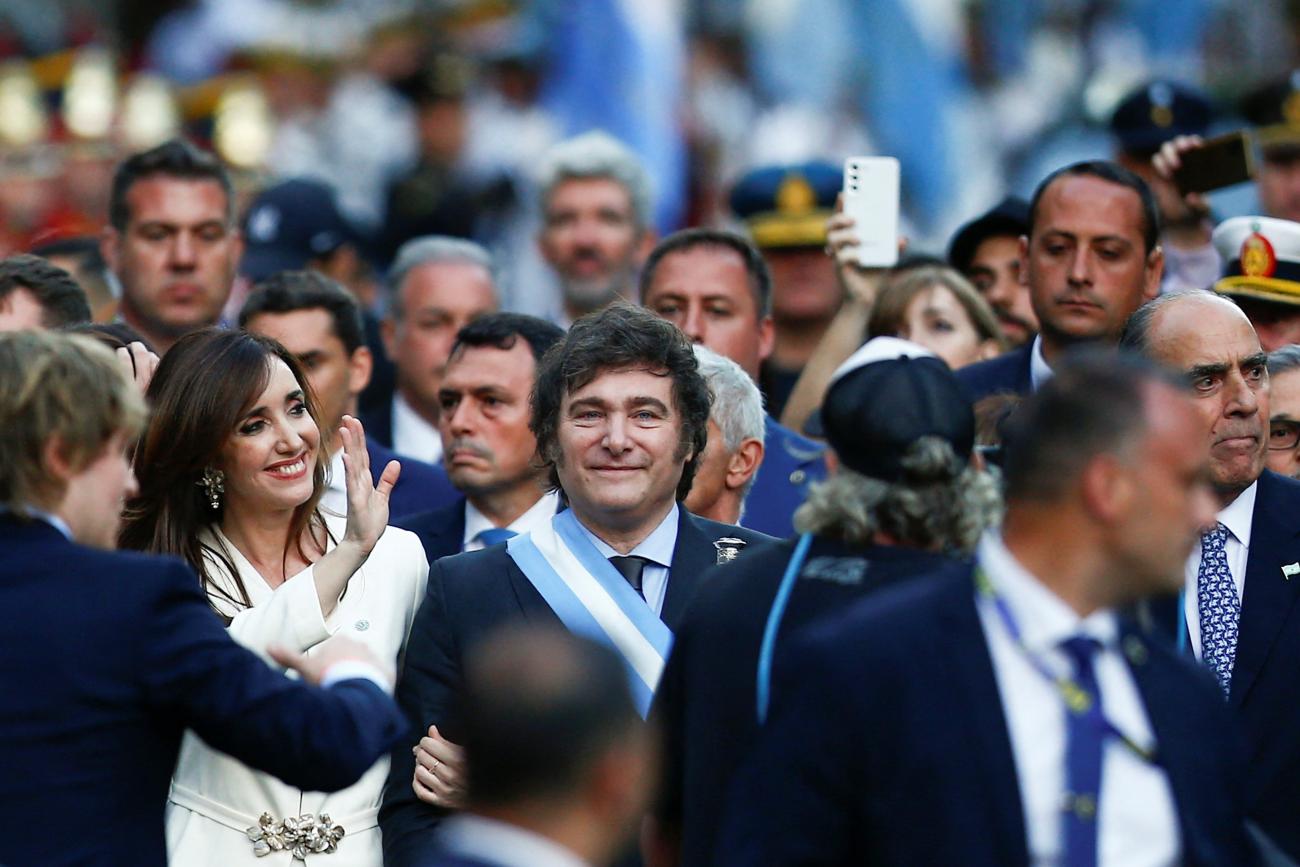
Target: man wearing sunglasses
<point x="1284" y="421"/>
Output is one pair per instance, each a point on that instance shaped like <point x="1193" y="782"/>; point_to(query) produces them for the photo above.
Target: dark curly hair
<point x="619" y="337"/>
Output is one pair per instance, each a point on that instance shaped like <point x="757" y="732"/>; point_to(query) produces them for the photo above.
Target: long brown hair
<point x="205" y="384"/>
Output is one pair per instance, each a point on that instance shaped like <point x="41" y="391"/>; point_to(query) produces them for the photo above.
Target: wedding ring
<point x="435" y="766"/>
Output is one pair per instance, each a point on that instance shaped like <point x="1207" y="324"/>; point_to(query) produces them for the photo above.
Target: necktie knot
<point x="493" y="535"/>
<point x="631" y="568"/>
<point x="1081" y="649"/>
<point x="1215" y="539"/>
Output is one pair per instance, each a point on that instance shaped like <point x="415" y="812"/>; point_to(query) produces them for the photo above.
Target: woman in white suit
<point x="231" y="470"/>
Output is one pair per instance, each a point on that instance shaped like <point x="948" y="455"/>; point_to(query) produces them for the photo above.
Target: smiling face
<point x="487" y="444"/>
<point x="269" y="459"/>
<point x="176" y="256"/>
<point x="1212" y="343"/>
<point x="620" y="454"/>
<point x="1085" y="264"/>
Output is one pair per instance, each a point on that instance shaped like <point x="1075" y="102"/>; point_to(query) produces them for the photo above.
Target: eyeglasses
<point x="1283" y="434"/>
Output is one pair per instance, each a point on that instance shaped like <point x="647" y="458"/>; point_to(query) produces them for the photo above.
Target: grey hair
<point x="940" y="504"/>
<point x="1284" y="360"/>
<point x="737" y="403"/>
<point x="432" y="250"/>
<point x="597" y="154"/>
<point x="1136" y="337"/>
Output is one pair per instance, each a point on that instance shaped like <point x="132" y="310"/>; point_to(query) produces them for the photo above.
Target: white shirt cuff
<point x="355" y="669"/>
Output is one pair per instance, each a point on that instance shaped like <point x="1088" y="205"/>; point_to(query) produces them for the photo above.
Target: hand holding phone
<point x="1215" y="163"/>
<point x="870" y="197"/>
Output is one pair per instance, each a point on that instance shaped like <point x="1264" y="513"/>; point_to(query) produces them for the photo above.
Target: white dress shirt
<point x="538" y="515"/>
<point x="1039" y="370"/>
<point x="1137" y="821"/>
<point x="1237" y="517"/>
<point x="414" y="437"/>
<point x="497" y="842"/>
<point x="658" y="548"/>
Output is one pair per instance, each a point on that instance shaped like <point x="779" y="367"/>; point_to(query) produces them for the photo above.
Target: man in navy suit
<point x="620" y="413"/>
<point x="715" y="286"/>
<point x="903" y="432"/>
<point x="110" y="656"/>
<point x="1007" y="714"/>
<point x="320" y="323"/>
<point x="488" y="448"/>
<point x="1092" y="257"/>
<point x="1239" y="612"/>
<point x="562" y="764"/>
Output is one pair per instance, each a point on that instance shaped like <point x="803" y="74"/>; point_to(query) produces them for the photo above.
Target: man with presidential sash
<point x="620" y="414"/>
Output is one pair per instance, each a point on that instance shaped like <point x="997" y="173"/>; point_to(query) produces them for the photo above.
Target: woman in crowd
<point x="231" y="472"/>
<point x="938" y="308"/>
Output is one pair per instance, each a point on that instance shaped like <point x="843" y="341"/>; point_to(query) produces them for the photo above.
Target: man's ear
<point x="743" y="463"/>
<point x="1107" y="489"/>
<point x="649" y="237"/>
<point x="109" y="239"/>
<point x="360" y="367"/>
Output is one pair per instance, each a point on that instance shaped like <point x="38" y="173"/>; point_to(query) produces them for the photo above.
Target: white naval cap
<point x="1261" y="258"/>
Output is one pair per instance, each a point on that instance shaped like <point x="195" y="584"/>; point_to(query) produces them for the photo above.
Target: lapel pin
<point x="1290" y="569"/>
<point x="1135" y="650"/>
<point x="729" y="546"/>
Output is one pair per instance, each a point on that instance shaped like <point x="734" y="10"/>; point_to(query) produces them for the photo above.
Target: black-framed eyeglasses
<point x="1283" y="434"/>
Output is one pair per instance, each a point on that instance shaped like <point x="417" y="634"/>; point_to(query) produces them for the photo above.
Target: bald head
<point x="1206" y="338"/>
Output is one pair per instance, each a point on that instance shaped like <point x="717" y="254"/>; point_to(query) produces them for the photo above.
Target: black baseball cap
<point x="1008" y="217"/>
<point x="289" y="224"/>
<point x="885" y="397"/>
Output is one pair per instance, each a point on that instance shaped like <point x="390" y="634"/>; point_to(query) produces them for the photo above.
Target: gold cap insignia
<point x="1291" y="108"/>
<point x="1257" y="256"/>
<point x="795" y="195"/>
<point x="1162" y="116"/>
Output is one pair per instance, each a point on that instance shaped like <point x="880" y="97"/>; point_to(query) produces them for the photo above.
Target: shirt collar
<point x="1044" y="619"/>
<point x="658" y="547"/>
<point x="48" y="517"/>
<point x="1239" y="515"/>
<point x="500" y="843"/>
<point x="536" y="515"/>
<point x="1039" y="370"/>
<point x="336" y="480"/>
<point x="420" y="440"/>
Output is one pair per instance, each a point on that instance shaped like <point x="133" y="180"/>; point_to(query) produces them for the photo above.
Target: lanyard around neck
<point x="1076" y="698"/>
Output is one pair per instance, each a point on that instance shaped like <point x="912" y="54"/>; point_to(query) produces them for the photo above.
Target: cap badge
<point x="1257" y="256"/>
<point x="795" y="195"/>
<point x="1291" y="108"/>
<point x="264" y="223"/>
<point x="1162" y="116"/>
<point x="728" y="547"/>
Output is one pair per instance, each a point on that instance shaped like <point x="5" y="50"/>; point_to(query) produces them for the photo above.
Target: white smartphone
<point x="871" y="199"/>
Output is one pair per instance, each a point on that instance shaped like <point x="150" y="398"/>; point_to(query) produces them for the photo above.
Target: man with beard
<point x="1091" y="257"/>
<point x="987" y="252"/>
<point x="488" y="450"/>
<point x="1237" y="612"/>
<point x="595" y="221"/>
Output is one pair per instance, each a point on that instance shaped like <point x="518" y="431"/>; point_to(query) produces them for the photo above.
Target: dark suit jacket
<point x="441" y="531"/>
<point x="790" y="463"/>
<point x="1008" y="373"/>
<point x="108" y="657"/>
<point x="469" y="595"/>
<point x="705" y="704"/>
<point x="419" y="488"/>
<point x="1265" y="693"/>
<point x="889" y="745"/>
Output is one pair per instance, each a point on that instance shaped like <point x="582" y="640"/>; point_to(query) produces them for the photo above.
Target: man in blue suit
<point x="715" y="286"/>
<point x="110" y="656"/>
<point x="320" y="323"/>
<point x="488" y="448"/>
<point x="620" y="414"/>
<point x="1006" y="713"/>
<point x="1239" y="612"/>
<point x="1092" y="257"/>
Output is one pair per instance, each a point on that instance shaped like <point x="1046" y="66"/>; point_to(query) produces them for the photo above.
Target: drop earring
<point x="213" y="484"/>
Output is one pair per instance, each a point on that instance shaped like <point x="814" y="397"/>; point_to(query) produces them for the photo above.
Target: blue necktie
<point x="493" y="535"/>
<point x="1219" y="607"/>
<point x="1084" y="738"/>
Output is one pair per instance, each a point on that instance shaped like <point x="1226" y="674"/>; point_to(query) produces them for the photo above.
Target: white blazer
<point x="215" y="799"/>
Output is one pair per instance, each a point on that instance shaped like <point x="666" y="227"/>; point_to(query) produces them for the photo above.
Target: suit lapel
<point x="1268" y="596"/>
<point x="692" y="554"/>
<point x="990" y="746"/>
<point x="1026" y="383"/>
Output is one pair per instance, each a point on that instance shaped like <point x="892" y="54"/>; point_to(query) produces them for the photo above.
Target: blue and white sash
<point x="593" y="600"/>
